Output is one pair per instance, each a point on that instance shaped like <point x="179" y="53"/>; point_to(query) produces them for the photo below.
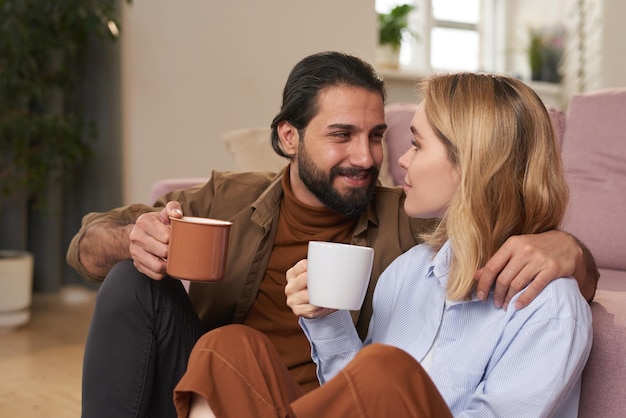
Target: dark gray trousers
<point x="139" y="341"/>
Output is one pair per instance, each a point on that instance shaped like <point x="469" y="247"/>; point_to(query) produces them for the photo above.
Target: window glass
<point x="466" y="11"/>
<point x="454" y="49"/>
<point x="385" y="6"/>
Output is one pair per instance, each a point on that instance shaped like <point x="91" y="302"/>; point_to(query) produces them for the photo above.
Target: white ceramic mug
<point x="338" y="274"/>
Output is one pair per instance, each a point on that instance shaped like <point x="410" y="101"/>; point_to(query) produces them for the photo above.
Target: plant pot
<point x="16" y="288"/>
<point x="388" y="57"/>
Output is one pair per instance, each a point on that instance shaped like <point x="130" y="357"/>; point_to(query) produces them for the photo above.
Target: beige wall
<point x="194" y="69"/>
<point x="613" y="45"/>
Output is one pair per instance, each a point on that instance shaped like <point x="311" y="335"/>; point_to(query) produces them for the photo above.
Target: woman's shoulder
<point x="415" y="261"/>
<point x="561" y="298"/>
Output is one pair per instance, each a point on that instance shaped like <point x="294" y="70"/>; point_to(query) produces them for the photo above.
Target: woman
<point x="484" y="161"/>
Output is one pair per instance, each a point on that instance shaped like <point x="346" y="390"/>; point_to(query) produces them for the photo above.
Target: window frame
<point x="415" y="54"/>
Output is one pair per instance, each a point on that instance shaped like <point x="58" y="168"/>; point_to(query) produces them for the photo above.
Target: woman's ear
<point x="289" y="138"/>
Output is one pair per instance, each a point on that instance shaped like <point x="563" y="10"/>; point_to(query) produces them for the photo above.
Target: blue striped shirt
<point x="487" y="362"/>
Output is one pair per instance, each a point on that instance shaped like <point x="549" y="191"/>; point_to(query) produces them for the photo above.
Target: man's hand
<point x="149" y="240"/>
<point x="298" y="294"/>
<point x="527" y="260"/>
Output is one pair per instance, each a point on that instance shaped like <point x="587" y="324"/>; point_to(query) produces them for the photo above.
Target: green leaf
<point x="43" y="134"/>
<point x="393" y="25"/>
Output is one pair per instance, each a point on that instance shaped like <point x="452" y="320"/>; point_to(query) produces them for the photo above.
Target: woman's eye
<point x="415" y="144"/>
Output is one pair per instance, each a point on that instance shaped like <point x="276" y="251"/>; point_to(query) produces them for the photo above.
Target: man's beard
<point x="350" y="204"/>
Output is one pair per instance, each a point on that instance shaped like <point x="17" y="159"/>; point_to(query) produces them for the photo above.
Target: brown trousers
<point x="238" y="371"/>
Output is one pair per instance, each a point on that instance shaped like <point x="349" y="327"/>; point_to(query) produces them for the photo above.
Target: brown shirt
<point x="297" y="225"/>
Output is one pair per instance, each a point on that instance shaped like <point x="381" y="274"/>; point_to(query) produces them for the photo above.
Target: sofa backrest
<point x="558" y="119"/>
<point x="397" y="138"/>
<point x="251" y="150"/>
<point x="594" y="155"/>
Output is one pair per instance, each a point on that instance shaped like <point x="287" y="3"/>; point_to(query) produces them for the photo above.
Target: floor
<point x="40" y="363"/>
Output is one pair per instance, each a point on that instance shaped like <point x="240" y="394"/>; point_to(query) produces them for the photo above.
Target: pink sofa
<point x="594" y="154"/>
<point x="593" y="138"/>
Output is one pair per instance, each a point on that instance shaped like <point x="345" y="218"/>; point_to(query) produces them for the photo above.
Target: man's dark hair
<point x="310" y="76"/>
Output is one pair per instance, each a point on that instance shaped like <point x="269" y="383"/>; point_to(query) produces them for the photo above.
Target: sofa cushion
<point x="163" y="186"/>
<point x="251" y="150"/>
<point x="558" y="119"/>
<point x="602" y="392"/>
<point x="594" y="154"/>
<point x="398" y="136"/>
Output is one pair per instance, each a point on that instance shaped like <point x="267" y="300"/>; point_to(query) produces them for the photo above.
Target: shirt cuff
<point x="332" y="334"/>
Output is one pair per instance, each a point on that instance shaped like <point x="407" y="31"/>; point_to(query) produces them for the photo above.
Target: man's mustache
<point x="353" y="171"/>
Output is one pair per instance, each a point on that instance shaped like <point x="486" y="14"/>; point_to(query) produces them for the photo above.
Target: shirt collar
<point x="439" y="268"/>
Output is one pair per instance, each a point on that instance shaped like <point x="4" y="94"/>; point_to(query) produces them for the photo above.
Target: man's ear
<point x="289" y="138"/>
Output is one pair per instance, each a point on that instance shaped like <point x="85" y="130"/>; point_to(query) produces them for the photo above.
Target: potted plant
<point x="43" y="134"/>
<point x="545" y="49"/>
<point x="392" y="27"/>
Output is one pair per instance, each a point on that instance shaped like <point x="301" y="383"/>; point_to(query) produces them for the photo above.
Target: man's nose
<point x="361" y="152"/>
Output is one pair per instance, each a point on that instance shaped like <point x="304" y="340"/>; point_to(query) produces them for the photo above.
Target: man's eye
<point x="377" y="136"/>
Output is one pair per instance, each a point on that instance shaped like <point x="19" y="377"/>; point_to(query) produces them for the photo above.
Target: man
<point x="330" y="127"/>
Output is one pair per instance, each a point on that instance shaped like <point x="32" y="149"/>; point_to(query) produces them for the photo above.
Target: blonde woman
<point x="483" y="160"/>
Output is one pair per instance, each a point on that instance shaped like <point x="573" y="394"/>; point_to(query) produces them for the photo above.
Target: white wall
<point x="194" y="69"/>
<point x="613" y="44"/>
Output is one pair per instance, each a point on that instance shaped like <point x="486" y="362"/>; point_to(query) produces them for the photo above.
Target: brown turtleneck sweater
<point x="297" y="225"/>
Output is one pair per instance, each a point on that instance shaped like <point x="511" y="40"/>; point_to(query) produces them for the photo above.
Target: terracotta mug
<point x="198" y="248"/>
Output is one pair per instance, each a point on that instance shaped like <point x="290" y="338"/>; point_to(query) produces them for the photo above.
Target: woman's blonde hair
<point x="499" y="135"/>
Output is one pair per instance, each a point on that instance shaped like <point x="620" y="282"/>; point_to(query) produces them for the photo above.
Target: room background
<point x="184" y="73"/>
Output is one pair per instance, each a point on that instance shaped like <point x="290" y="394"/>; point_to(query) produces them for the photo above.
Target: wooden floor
<point x="40" y="363"/>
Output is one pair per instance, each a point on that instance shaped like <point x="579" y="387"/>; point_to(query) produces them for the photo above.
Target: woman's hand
<point x="298" y="294"/>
